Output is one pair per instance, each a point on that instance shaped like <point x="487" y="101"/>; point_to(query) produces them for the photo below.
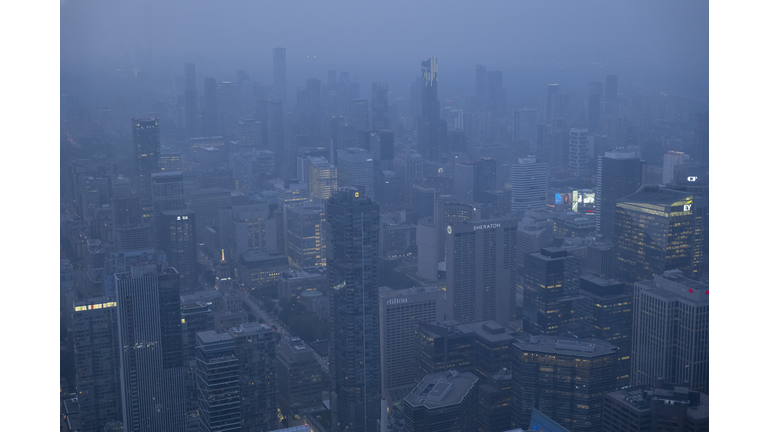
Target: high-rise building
<point x="132" y="231"/>
<point x="299" y="377"/>
<point x="442" y="402"/>
<point x="359" y="114"/>
<point x="210" y="123"/>
<point x="177" y="237"/>
<point x="236" y="378"/>
<point x="151" y="354"/>
<point x="480" y="267"/>
<point x="594" y="106"/>
<point x="278" y="62"/>
<point x="146" y="153"/>
<point x="354" y="361"/>
<point x="665" y="407"/>
<point x="190" y="101"/>
<point x="578" y="151"/>
<point x="543" y="288"/>
<point x="494" y="95"/>
<point x="528" y="182"/>
<point x="604" y="310"/>
<point x="355" y="168"/>
<point x="701" y="139"/>
<point x="553" y="102"/>
<point x="670" y="328"/>
<point x="565" y="379"/>
<point x="654" y="232"/>
<point x="322" y="180"/>
<point x="379" y="106"/>
<point x="618" y="175"/>
<point x="480" y="86"/>
<point x="97" y="362"/>
<point x="291" y="193"/>
<point x="428" y="124"/>
<point x="304" y="235"/>
<point x="612" y="88"/>
<point x="472" y="179"/>
<point x="442" y="346"/>
<point x="450" y="212"/>
<point x="493" y="401"/>
<point x="400" y="312"/>
<point x="671" y="159"/>
<point x="167" y="194"/>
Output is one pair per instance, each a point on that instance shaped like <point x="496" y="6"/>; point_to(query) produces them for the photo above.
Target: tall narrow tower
<point x="278" y="60"/>
<point x="355" y="370"/>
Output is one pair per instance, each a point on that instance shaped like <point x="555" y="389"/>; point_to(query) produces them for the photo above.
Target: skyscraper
<point x="618" y="175"/>
<point x="429" y="121"/>
<point x="278" y="62"/>
<point x="654" y="232"/>
<point x="354" y="362"/>
<point x="97" y="362"/>
<point x="322" y="180"/>
<point x="299" y="376"/>
<point x="543" y="288"/>
<point x="177" y="237"/>
<point x="379" y="106"/>
<point x="594" y="106"/>
<point x="210" y="124"/>
<point x="553" y="102"/>
<point x="670" y="331"/>
<point x="442" y="402"/>
<point x="355" y="168"/>
<point x="304" y="235"/>
<point x="167" y="194"/>
<point x="480" y="268"/>
<point x="528" y="181"/>
<point x="190" y="101"/>
<point x="151" y="354"/>
<point x="701" y="139"/>
<point x="146" y="154"/>
<point x="236" y="378"/>
<point x="400" y="312"/>
<point x="480" y="86"/>
<point x="494" y="94"/>
<point x="578" y="150"/>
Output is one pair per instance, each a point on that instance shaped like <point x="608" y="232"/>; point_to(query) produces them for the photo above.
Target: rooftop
<point x="558" y="345"/>
<point x="656" y="195"/>
<point x="442" y="389"/>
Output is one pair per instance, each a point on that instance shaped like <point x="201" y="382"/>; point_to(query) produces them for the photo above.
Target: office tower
<point x="480" y="86"/>
<point x="600" y="260"/>
<point x="654" y="232"/>
<point x="543" y="288"/>
<point x="97" y="361"/>
<point x="618" y="175"/>
<point x="464" y="181"/>
<point x="480" y="267"/>
<point x="429" y="121"/>
<point x="553" y="102"/>
<point x="322" y="178"/>
<point x="485" y="176"/>
<point x="210" y="121"/>
<point x="196" y="316"/>
<point x="355" y="168"/>
<point x="494" y="95"/>
<point x="170" y="159"/>
<point x="443" y="346"/>
<point x="167" y="193"/>
<point x="493" y="401"/>
<point x="670" y="327"/>
<point x="177" y="237"/>
<point x="190" y="101"/>
<point x="701" y="139"/>
<point x="388" y="190"/>
<point x="313" y="110"/>
<point x="400" y="312"/>
<point x="146" y="152"/>
<point x="304" y="235"/>
<point x="427" y="243"/>
<point x="206" y="204"/>
<point x="379" y="106"/>
<point x="528" y="182"/>
<point x="612" y="88"/>
<point x="299" y="377"/>
<point x="278" y="62"/>
<point x="491" y="348"/>
<point x="605" y="312"/>
<point x="236" y="380"/>
<point x="672" y="158"/>
<point x="152" y="379"/>
<point x="247" y="228"/>
<point x="594" y="106"/>
<point x="666" y="406"/>
<point x="424" y="201"/>
<point x="359" y="114"/>
<point x="585" y="370"/>
<point x="290" y="193"/>
<point x="272" y="127"/>
<point x="525" y="126"/>
<point x="442" y="402"/>
<point x="578" y="150"/>
<point x="450" y="212"/>
<point x="132" y="231"/>
<point x="354" y="362"/>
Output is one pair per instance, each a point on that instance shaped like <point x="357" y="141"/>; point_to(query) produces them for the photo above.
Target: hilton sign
<point x="396" y="301"/>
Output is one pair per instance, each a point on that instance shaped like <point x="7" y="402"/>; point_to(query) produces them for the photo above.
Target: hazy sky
<point x="656" y="45"/>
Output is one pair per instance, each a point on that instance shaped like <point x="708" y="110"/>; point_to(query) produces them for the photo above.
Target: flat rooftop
<point x="441" y="390"/>
<point x="560" y="345"/>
